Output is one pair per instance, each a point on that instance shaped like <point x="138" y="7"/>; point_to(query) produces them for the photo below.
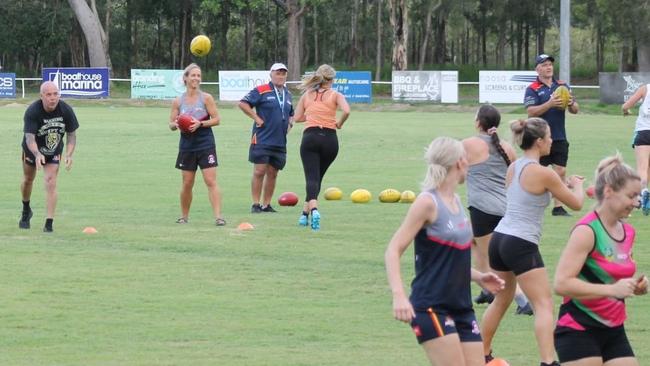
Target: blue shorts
<point x="264" y="155"/>
<point x="429" y="324"/>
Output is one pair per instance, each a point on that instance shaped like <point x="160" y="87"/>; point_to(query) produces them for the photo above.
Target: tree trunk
<point x="223" y="33"/>
<point x="501" y="50"/>
<point x="379" y="39"/>
<point x="129" y="33"/>
<point x="440" y="48"/>
<point x="520" y="43"/>
<point x="427" y="30"/>
<point x="186" y="33"/>
<point x="248" y="32"/>
<point x="93" y="33"/>
<point x="315" y="25"/>
<point x="77" y="47"/>
<point x="600" y="47"/>
<point x="643" y="55"/>
<point x="294" y="11"/>
<point x="399" y="22"/>
<point x="527" y="46"/>
<point x="354" y="39"/>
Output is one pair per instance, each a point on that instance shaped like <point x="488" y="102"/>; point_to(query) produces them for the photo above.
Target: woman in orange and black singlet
<point x="319" y="147"/>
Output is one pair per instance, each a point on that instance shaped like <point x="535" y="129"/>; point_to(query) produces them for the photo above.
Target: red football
<point x="184" y="122"/>
<point x="288" y="199"/>
<point x="591" y="191"/>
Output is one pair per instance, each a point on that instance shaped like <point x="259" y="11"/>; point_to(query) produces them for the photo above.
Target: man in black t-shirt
<point x="46" y="122"/>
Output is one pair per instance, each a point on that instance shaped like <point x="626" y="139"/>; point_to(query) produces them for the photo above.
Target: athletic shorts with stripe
<point x="430" y="324"/>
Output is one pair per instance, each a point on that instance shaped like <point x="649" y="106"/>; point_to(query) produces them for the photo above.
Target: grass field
<point x="145" y="291"/>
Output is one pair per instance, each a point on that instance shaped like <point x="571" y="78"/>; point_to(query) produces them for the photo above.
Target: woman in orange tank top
<point x="317" y="108"/>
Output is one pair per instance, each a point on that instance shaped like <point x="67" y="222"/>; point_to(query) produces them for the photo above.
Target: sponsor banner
<point x="504" y="86"/>
<point x="355" y="85"/>
<point x="425" y="86"/>
<point x="618" y="87"/>
<point x="79" y="82"/>
<point x="156" y="84"/>
<point x="449" y="86"/>
<point x="7" y="85"/>
<point x="234" y="85"/>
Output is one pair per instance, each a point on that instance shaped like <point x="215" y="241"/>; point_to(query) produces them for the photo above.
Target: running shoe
<point x="303" y="220"/>
<point x="24" y="219"/>
<point x="645" y="201"/>
<point x="559" y="211"/>
<point x="268" y="208"/>
<point x="315" y="220"/>
<point x="484" y="297"/>
<point x="524" y="310"/>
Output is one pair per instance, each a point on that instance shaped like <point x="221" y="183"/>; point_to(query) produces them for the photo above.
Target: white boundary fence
<point x="22" y="83"/>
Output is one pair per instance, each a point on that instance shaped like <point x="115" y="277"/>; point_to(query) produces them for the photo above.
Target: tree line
<point x="376" y="35"/>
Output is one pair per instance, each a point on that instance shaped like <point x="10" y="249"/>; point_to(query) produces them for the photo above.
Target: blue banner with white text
<point x="355" y="85"/>
<point x="7" y="85"/>
<point x="79" y="82"/>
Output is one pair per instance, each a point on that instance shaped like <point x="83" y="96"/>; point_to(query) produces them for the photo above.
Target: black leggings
<point x="318" y="150"/>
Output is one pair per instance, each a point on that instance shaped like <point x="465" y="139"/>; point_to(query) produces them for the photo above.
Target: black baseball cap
<point x="542" y="58"/>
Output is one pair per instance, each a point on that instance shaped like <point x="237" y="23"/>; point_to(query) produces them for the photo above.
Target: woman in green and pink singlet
<point x="595" y="274"/>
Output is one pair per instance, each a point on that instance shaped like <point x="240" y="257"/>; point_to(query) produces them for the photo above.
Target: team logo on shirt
<point x="52" y="140"/>
<point x="608" y="252"/>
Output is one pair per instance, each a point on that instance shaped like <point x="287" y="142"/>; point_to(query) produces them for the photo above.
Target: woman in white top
<point x="641" y="141"/>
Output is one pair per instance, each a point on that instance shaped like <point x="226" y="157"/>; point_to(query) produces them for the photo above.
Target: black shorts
<point x="263" y="155"/>
<point x="483" y="223"/>
<point x="641" y="138"/>
<point x="30" y="159"/>
<point x="430" y="324"/>
<point x="606" y="343"/>
<point x="559" y="154"/>
<point x="190" y="160"/>
<point x="512" y="254"/>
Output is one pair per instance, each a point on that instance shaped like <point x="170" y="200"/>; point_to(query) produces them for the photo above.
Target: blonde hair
<point x="187" y="70"/>
<point x="613" y="172"/>
<point x="526" y="131"/>
<point x="323" y="74"/>
<point x="441" y="155"/>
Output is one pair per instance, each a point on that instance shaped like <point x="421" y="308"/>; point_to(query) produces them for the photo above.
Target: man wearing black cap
<point x="540" y="102"/>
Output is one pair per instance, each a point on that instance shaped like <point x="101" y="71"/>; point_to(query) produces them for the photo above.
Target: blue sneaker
<point x="645" y="202"/>
<point x="315" y="220"/>
<point x="303" y="220"/>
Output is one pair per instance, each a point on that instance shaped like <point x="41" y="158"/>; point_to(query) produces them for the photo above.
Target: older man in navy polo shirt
<point x="272" y="120"/>
<point x="540" y="102"/>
